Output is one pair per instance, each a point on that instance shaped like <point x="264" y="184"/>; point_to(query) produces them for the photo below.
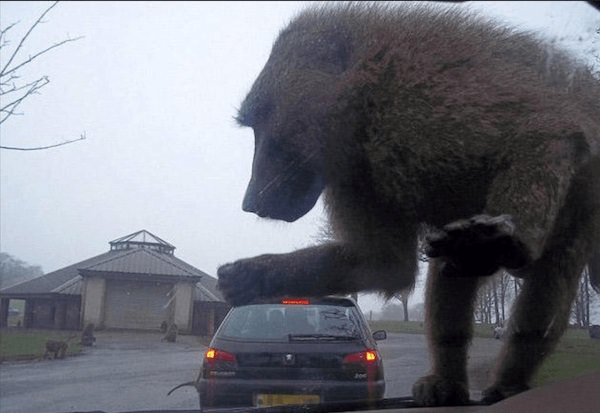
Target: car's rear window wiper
<point x="320" y="337"/>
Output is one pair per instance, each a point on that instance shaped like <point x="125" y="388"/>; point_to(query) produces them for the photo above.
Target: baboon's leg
<point x="540" y="317"/>
<point x="449" y="306"/>
<point x="541" y="313"/>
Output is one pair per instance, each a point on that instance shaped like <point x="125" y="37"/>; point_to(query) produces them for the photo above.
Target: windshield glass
<point x="283" y="322"/>
<point x="166" y="166"/>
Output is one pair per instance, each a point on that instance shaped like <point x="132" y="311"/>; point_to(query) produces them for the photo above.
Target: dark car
<point x="292" y="351"/>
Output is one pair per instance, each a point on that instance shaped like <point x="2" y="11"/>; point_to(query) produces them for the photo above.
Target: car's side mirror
<point x="380" y="335"/>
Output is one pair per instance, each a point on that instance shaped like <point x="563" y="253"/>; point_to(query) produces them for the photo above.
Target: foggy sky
<point x="154" y="87"/>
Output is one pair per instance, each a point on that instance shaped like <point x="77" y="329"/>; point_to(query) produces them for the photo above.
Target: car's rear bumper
<point x="232" y="392"/>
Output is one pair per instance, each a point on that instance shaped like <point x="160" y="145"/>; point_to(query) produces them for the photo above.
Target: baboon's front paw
<point x="477" y="246"/>
<point x="497" y="392"/>
<point x="434" y="390"/>
<point x="242" y="281"/>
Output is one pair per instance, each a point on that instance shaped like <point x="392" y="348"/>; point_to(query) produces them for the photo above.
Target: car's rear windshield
<point x="281" y="322"/>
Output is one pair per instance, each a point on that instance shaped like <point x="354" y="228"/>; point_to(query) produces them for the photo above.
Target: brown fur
<point x="413" y="119"/>
<point x="57" y="348"/>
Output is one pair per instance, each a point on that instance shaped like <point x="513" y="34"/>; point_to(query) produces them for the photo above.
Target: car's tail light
<point x="368" y="366"/>
<point x="213" y="354"/>
<point x="219" y="363"/>
<point x="365" y="357"/>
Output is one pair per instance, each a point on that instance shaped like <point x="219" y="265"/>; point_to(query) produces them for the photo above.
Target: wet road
<point x="405" y="360"/>
<point x="123" y="372"/>
<point x="135" y="372"/>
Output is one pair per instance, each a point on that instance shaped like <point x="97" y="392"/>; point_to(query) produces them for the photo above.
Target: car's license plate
<point x="268" y="400"/>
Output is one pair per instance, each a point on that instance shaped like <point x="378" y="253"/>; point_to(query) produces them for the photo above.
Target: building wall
<point x="94" y="292"/>
<point x="4" y="302"/>
<point x="184" y="302"/>
<point x="138" y="305"/>
<point x="144" y="305"/>
<point x="43" y="312"/>
<point x="208" y="316"/>
<point x="53" y="313"/>
<point x="73" y="314"/>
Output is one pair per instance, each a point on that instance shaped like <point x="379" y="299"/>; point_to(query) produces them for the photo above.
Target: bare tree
<point x="497" y="295"/>
<point x="14" y="270"/>
<point x="581" y="306"/>
<point x="493" y="299"/>
<point x="403" y="297"/>
<point x="13" y="89"/>
<point x="504" y="280"/>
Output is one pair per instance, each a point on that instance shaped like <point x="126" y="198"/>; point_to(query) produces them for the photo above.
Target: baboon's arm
<point x="316" y="271"/>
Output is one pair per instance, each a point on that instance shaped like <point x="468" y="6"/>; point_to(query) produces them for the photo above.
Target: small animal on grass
<point x="57" y="348"/>
<point x="430" y="125"/>
<point x="498" y="332"/>
<point x="171" y="335"/>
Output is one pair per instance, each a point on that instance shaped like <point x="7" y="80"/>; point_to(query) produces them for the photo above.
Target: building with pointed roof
<point x="138" y="284"/>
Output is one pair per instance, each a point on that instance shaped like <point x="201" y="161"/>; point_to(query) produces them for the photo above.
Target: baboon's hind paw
<point x="434" y="390"/>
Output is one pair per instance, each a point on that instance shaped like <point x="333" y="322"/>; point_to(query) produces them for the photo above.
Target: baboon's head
<point x="289" y="108"/>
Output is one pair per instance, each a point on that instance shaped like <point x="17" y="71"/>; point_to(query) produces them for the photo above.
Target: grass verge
<point x="410" y="327"/>
<point x="575" y="354"/>
<point x="19" y="344"/>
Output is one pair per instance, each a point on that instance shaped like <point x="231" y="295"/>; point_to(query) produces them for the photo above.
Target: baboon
<point x="163" y="327"/>
<point x="171" y="335"/>
<point x="56" y="347"/>
<point x="87" y="335"/>
<point x="498" y="332"/>
<point x="434" y="124"/>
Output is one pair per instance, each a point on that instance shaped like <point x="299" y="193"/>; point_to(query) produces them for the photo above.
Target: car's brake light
<point x="366" y="357"/>
<point x="295" y="301"/>
<point x="213" y="354"/>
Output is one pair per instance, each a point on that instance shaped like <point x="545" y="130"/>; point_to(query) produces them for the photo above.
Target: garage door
<point x="137" y="305"/>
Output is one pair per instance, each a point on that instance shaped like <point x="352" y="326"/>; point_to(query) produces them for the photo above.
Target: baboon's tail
<point x="594" y="270"/>
<point x="189" y="383"/>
